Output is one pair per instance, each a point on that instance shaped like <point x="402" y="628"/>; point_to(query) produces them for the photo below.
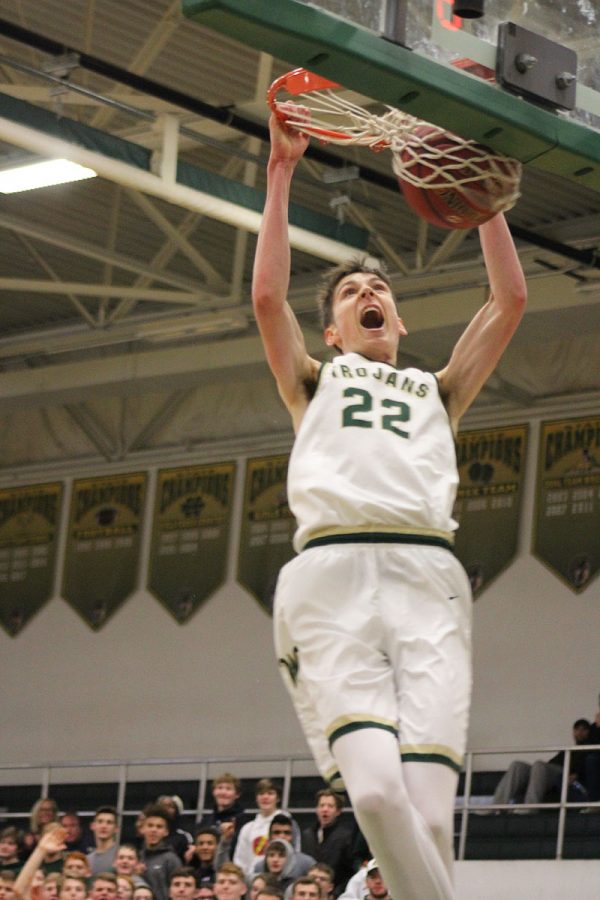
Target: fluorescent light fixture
<point x="41" y="174"/>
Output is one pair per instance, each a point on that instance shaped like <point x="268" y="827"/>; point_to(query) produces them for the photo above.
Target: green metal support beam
<point x="361" y="60"/>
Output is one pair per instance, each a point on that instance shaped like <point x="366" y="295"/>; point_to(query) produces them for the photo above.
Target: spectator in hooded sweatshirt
<point x="283" y="863"/>
<point x="295" y="865"/>
<point x="157" y="855"/>
<point x="278" y="863"/>
<point x="254" y="836"/>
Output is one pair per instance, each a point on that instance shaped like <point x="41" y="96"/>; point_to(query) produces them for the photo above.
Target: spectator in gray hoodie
<point x="157" y="856"/>
<point x="281" y="861"/>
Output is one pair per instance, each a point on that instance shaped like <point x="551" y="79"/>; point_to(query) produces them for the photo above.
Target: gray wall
<point x="146" y="687"/>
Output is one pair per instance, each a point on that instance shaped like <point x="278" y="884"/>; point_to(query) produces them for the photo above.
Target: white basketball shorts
<point x="377" y="635"/>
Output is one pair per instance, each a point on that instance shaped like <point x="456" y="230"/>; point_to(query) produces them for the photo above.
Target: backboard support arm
<point x="395" y="21"/>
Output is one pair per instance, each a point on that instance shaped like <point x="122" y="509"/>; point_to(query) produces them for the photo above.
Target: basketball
<point x="462" y="184"/>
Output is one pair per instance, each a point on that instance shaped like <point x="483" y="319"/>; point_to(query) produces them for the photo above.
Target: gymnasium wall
<point x="144" y="686"/>
<point x="528" y="880"/>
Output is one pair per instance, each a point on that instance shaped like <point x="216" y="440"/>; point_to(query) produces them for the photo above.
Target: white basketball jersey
<point x="374" y="450"/>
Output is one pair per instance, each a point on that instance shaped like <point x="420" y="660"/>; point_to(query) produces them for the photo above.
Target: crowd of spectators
<point x="231" y="854"/>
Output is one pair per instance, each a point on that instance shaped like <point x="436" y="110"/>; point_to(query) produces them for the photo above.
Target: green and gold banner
<point x="103" y="544"/>
<point x="190" y="535"/>
<point x="567" y="513"/>
<point x="267" y="527"/>
<point x="29" y="526"/>
<point x="491" y="464"/>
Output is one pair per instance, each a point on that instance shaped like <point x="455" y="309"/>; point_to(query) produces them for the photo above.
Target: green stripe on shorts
<point x="358" y="725"/>
<point x="335" y="781"/>
<point x="432" y="758"/>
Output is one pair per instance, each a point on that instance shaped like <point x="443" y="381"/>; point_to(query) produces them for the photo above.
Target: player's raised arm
<point x="481" y="345"/>
<point x="282" y="338"/>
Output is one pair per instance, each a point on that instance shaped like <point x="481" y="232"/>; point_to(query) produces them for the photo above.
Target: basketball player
<point x="372" y="618"/>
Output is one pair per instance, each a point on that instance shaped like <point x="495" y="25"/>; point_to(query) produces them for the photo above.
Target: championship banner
<point x="567" y="513"/>
<point x="29" y="526"/>
<point x="103" y="544"/>
<point x="491" y="463"/>
<point x="190" y="535"/>
<point x="267" y="527"/>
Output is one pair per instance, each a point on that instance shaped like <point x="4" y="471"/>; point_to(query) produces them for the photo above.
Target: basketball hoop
<point x="331" y="117"/>
<point x="425" y="156"/>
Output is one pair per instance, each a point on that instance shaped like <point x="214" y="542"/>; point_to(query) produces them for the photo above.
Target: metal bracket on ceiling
<point x="164" y="160"/>
<point x="61" y="67"/>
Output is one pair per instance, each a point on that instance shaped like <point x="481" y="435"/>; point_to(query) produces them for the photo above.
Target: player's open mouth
<point x="371" y="317"/>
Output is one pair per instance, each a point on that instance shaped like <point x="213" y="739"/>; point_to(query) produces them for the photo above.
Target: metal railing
<point x="562" y="805"/>
<point x="285" y="769"/>
<point x="126" y="769"/>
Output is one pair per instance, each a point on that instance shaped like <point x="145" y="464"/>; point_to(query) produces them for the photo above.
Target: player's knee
<point x="368" y="800"/>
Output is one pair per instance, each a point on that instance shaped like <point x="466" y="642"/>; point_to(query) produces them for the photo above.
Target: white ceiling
<point x="127" y="332"/>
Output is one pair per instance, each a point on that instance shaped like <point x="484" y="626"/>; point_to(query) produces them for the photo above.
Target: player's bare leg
<point x="413" y="861"/>
<point x="432" y="790"/>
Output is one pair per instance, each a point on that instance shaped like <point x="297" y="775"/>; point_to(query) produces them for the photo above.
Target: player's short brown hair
<point x="332" y="278"/>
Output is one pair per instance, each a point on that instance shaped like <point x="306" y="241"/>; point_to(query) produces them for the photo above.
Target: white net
<point x="429" y="157"/>
<point x="330" y="117"/>
<point x="423" y="155"/>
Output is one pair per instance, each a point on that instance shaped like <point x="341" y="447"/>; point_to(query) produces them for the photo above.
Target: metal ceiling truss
<point x="163" y="305"/>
